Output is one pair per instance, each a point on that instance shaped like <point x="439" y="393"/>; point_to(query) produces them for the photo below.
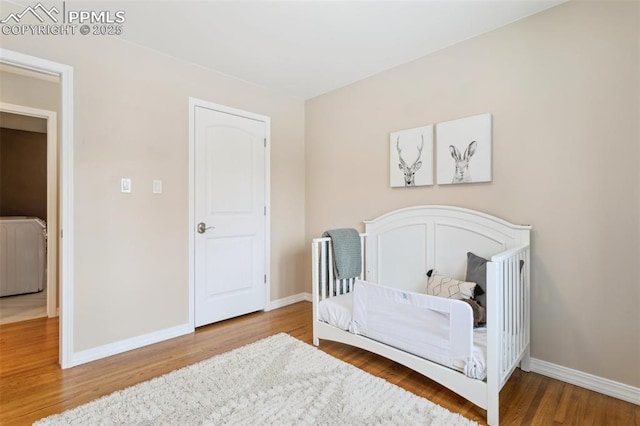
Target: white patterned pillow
<point x="443" y="286"/>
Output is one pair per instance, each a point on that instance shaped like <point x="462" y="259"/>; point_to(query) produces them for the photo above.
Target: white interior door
<point x="230" y="215"/>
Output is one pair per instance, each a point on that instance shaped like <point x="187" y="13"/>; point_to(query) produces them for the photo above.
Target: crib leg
<point x="525" y="363"/>
<point x="493" y="412"/>
<point x="316" y="340"/>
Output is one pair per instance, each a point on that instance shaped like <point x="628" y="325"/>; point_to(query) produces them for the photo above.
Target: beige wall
<point x="28" y="91"/>
<point x="131" y="120"/>
<point x="563" y="89"/>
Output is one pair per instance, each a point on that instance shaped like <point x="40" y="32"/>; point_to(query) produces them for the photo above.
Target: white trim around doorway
<point x="65" y="74"/>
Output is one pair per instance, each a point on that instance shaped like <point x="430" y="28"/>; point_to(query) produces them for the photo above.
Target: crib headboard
<point x="401" y="246"/>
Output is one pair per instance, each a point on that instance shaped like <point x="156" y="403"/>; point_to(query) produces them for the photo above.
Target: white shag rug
<point x="275" y="381"/>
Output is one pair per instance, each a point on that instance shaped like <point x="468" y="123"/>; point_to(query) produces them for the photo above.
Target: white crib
<point x="401" y="246"/>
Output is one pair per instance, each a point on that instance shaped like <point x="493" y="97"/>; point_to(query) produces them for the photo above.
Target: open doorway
<point x="28" y="209"/>
<point x="63" y="74"/>
<point x="29" y="196"/>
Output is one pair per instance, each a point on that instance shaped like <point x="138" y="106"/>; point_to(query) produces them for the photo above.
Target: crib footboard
<point x="508" y="317"/>
<point x="324" y="282"/>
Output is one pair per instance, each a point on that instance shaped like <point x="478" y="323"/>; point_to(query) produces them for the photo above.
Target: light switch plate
<point x="157" y="186"/>
<point x="125" y="185"/>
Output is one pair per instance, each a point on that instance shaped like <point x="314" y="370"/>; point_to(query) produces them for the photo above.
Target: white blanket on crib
<point x="411" y="322"/>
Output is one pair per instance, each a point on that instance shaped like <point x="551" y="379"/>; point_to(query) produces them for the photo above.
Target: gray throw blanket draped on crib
<point x="347" y="252"/>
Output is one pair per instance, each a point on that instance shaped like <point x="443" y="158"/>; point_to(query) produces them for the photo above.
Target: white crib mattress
<point x="338" y="312"/>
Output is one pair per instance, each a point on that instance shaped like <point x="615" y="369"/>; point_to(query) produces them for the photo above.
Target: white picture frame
<point x="464" y="150"/>
<point x="411" y="157"/>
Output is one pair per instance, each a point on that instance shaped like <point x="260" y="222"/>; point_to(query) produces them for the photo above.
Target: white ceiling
<point x="305" y="48"/>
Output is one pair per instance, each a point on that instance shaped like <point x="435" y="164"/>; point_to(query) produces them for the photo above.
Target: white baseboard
<point x="578" y="378"/>
<point x="290" y="300"/>
<point x="93" y="354"/>
<point x="104" y="351"/>
<point x="587" y="381"/>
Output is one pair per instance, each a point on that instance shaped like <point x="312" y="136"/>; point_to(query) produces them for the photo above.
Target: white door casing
<point x="230" y="204"/>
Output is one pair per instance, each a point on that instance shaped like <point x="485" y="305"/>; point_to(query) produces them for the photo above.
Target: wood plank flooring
<point x="33" y="386"/>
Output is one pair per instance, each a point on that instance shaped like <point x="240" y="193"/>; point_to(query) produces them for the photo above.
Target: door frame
<point x="193" y="103"/>
<point x="52" y="195"/>
<point x="65" y="167"/>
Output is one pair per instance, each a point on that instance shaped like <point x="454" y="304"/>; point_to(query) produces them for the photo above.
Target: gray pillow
<point x="477" y="273"/>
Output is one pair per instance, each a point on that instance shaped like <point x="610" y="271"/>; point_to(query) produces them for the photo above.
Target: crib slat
<point x="519" y="290"/>
<point x="518" y="306"/>
<point x="362" y="249"/>
<point x="330" y="262"/>
<point x="515" y="349"/>
<point x="323" y="269"/>
<point x="525" y="298"/>
<point x="507" y="298"/>
<point x="505" y="329"/>
<point x="509" y="334"/>
<point x="512" y="328"/>
<point x="527" y="295"/>
<point x="516" y="311"/>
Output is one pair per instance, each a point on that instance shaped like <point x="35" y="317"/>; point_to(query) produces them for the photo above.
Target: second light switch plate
<point x="157" y="186"/>
<point x="125" y="185"/>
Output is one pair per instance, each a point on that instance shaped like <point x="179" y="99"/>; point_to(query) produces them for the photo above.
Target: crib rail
<point x="325" y="284"/>
<point x="511" y="297"/>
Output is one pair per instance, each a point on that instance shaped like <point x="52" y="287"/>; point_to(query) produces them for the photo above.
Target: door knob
<point x="202" y="227"/>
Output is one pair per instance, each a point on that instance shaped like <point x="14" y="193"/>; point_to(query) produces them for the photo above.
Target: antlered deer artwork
<point x="411" y="157"/>
<point x="410" y="171"/>
<point x="464" y="150"/>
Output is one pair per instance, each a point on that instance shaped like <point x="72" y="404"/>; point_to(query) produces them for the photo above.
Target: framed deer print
<point x="464" y="150"/>
<point x="411" y="157"/>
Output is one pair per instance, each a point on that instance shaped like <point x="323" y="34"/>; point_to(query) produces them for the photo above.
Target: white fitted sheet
<point x="338" y="312"/>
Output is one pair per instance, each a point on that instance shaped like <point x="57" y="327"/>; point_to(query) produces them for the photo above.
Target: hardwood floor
<point x="33" y="386"/>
